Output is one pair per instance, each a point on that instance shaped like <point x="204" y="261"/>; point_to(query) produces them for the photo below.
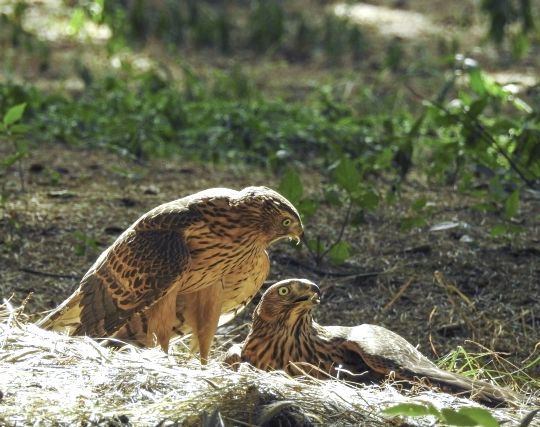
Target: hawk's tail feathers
<point x="480" y="390"/>
<point x="65" y="317"/>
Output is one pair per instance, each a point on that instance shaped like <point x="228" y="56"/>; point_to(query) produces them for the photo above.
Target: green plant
<point x="481" y="140"/>
<point x="504" y="15"/>
<point x="474" y="134"/>
<point x="85" y="245"/>
<point x="346" y="193"/>
<point x="267" y="26"/>
<point x="466" y="416"/>
<point x="462" y="417"/>
<point x="10" y="132"/>
<point x="491" y="365"/>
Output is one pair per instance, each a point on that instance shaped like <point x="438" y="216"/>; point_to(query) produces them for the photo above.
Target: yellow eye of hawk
<point x="286" y="222"/>
<point x="283" y="291"/>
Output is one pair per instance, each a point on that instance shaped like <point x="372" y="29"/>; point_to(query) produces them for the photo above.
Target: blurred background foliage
<point x="286" y="86"/>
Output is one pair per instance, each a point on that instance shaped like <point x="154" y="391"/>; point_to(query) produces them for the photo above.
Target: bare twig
<point x="430" y="322"/>
<point x="312" y="253"/>
<point x="398" y="294"/>
<point x="343" y="274"/>
<point x="341" y="231"/>
<point x="446" y="284"/>
<point x="452" y="289"/>
<point x="47" y="274"/>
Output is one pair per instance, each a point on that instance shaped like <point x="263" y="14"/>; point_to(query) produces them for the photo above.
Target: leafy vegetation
<point x="465" y="416"/>
<point x="446" y="416"/>
<point x="10" y="131"/>
<point x="489" y="363"/>
<point x="264" y="26"/>
<point x="513" y="20"/>
<point x="474" y="134"/>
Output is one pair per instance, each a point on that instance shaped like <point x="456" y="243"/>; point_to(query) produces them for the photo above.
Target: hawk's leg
<point x="203" y="309"/>
<point x="161" y="318"/>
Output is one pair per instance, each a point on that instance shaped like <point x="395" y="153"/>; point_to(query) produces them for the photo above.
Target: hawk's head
<point x="272" y="213"/>
<point x="288" y="300"/>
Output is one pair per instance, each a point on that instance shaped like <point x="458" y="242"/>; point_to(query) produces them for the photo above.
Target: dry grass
<point x="50" y="379"/>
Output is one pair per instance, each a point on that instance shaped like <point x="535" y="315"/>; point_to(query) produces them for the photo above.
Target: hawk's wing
<point x="134" y="273"/>
<point x="385" y="351"/>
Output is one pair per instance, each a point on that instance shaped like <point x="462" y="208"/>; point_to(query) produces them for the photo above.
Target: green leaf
<point x="408" y="223"/>
<point x="482" y="84"/>
<point x="347" y="176"/>
<point x="412" y="410"/>
<point x="521" y="105"/>
<point x="315" y="245"/>
<point x="453" y="418"/>
<point x="511" y="205"/>
<point x="19" y="128"/>
<point x="11" y="160"/>
<point x="368" y="200"/>
<point x="340" y="252"/>
<point x="332" y="197"/>
<point x="476" y="108"/>
<point x="358" y="218"/>
<point x="503" y="229"/>
<point x="307" y="207"/>
<point x="14" y="114"/>
<point x="97" y="10"/>
<point x="520" y="45"/>
<point x="498" y="230"/>
<point x="419" y="204"/>
<point x="496" y="189"/>
<point x="77" y="21"/>
<point x="481" y="416"/>
<point x="476" y="81"/>
<point x="291" y="187"/>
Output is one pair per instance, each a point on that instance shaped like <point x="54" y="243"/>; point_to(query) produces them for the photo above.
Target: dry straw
<point x="51" y="379"/>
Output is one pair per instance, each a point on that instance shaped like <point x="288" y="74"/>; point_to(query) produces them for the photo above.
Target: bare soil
<point x="75" y="202"/>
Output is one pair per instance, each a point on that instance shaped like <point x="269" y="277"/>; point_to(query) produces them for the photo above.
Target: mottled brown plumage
<point x="284" y="336"/>
<point x="179" y="268"/>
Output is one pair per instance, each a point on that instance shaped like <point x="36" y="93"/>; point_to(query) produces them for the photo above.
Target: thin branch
<point x="312" y="253"/>
<point x="398" y="294"/>
<point x="342" y="274"/>
<point x="47" y="274"/>
<point x="342" y="230"/>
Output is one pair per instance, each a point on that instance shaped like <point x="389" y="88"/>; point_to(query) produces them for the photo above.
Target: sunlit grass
<point x="48" y="377"/>
<point x="491" y="365"/>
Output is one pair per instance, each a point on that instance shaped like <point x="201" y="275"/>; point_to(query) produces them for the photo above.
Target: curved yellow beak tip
<point x="295" y="239"/>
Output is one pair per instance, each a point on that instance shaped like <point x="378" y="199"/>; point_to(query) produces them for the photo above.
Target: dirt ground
<point x="75" y="202"/>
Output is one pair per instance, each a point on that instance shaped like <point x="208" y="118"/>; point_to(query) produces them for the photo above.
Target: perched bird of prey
<point x="180" y="265"/>
<point x="284" y="336"/>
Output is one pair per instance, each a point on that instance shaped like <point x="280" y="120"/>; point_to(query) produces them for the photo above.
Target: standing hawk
<point x="284" y="336"/>
<point x="181" y="266"/>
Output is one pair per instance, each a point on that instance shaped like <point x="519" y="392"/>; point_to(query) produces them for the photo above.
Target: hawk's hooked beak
<point x="312" y="294"/>
<point x="315" y="299"/>
<point x="316" y="296"/>
<point x="295" y="238"/>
